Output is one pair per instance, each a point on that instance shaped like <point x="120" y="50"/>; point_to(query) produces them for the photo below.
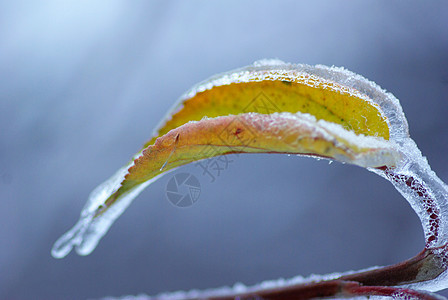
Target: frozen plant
<point x="275" y="107"/>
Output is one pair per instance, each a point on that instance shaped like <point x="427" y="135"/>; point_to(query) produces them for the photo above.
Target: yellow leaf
<point x="255" y="133"/>
<point x="279" y="90"/>
<point x="266" y="108"/>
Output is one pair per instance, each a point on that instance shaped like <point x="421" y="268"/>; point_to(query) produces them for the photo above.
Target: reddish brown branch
<point x="354" y="289"/>
<point x="423" y="267"/>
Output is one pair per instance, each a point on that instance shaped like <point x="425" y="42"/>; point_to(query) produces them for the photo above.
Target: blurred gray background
<point x="83" y="84"/>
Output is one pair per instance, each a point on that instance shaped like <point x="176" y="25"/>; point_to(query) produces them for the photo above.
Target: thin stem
<point x="379" y="281"/>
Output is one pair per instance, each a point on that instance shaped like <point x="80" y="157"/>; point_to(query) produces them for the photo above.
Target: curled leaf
<point x="255" y="133"/>
<point x="331" y="94"/>
<point x="267" y="107"/>
<point x="273" y="107"/>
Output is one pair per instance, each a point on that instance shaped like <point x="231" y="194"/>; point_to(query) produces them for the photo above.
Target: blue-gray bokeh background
<point x="83" y="83"/>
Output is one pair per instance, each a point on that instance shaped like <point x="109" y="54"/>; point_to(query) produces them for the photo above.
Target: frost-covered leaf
<point x="331" y="110"/>
<point x="255" y="133"/>
<point x="273" y="107"/>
